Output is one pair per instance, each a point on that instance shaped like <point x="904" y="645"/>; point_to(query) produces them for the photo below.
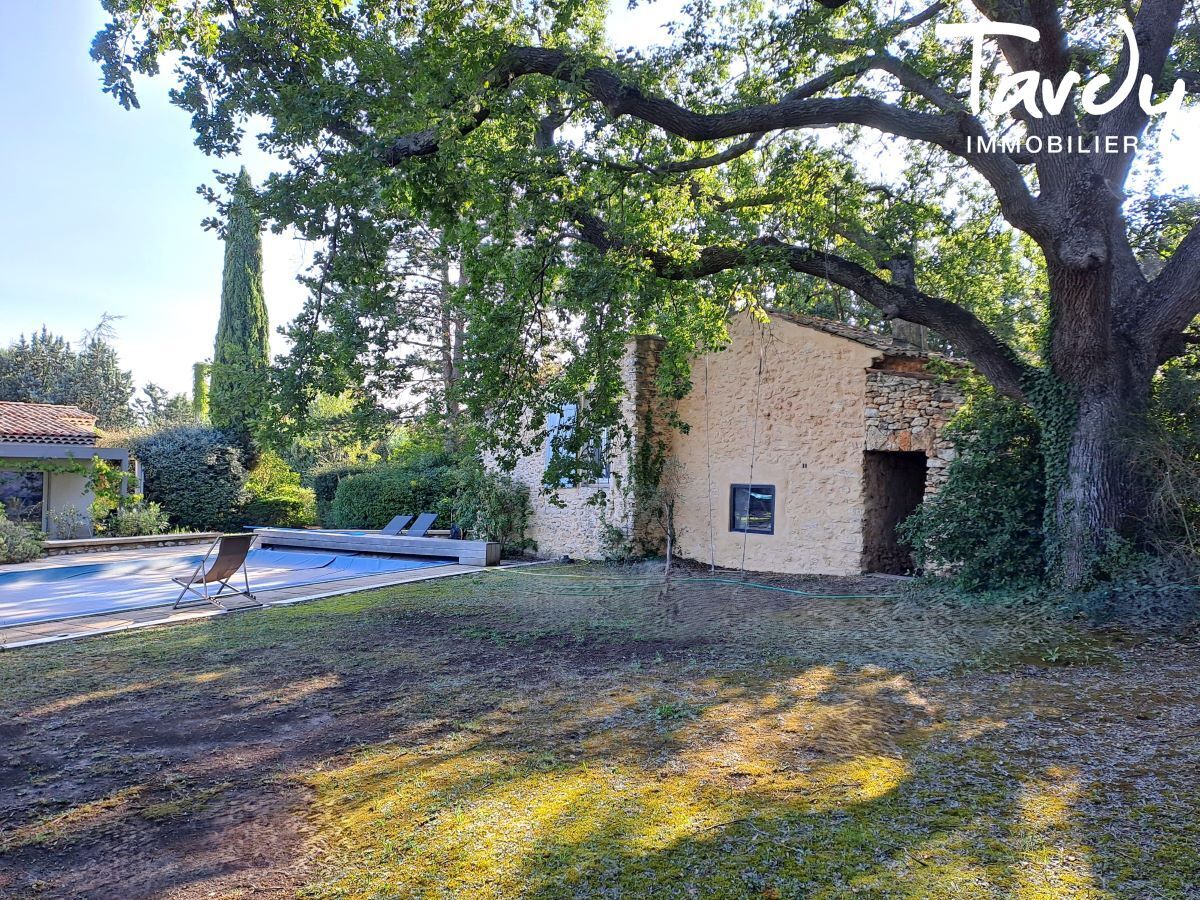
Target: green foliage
<point x="136" y="519"/>
<point x="158" y="408"/>
<point x="404" y="287"/>
<point x="287" y="510"/>
<point x="104" y="480"/>
<point x="563" y="250"/>
<point x="1055" y="408"/>
<point x="201" y="373"/>
<point x="372" y="498"/>
<point x="196" y="475"/>
<point x="241" y="355"/>
<point x="45" y="369"/>
<point x="488" y="506"/>
<point x="277" y="497"/>
<point x="473" y="252"/>
<point x="330" y="436"/>
<point x="1169" y="452"/>
<point x="68" y="523"/>
<point x="325" y="484"/>
<point x="984" y="526"/>
<point x="19" y="543"/>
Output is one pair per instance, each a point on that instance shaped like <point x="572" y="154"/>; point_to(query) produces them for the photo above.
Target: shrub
<point x="370" y="499"/>
<point x="281" y="511"/>
<point x="105" y="480"/>
<point x="984" y="526"/>
<point x="325" y="483"/>
<point x="1169" y="451"/>
<point x="489" y="507"/>
<point x="195" y="474"/>
<point x="276" y="496"/>
<point x="69" y="523"/>
<point x="19" y="543"/>
<point x="137" y="519"/>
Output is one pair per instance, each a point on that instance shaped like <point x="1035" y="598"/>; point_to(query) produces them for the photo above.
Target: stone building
<point x="803" y="444"/>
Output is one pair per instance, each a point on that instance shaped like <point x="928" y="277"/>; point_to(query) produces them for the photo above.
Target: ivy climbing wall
<point x="792" y="404"/>
<point x="593" y="521"/>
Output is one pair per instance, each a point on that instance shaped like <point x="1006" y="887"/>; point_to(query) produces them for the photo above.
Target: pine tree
<point x="46" y="369"/>
<point x="241" y="355"/>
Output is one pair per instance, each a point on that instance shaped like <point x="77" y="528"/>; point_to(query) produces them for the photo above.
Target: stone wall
<point x="808" y="444"/>
<point x="591" y="521"/>
<point x="823" y="400"/>
<point x="907" y="409"/>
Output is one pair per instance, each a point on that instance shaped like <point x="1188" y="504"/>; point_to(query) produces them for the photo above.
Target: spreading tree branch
<point x="899" y="300"/>
<point x="1173" y="299"/>
<point x="950" y="131"/>
<point x="1154" y="29"/>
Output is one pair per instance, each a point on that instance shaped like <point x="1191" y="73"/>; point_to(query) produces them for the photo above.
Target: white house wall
<point x="64" y="491"/>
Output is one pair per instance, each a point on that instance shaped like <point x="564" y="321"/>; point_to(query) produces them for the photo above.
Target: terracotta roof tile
<point x="45" y="423"/>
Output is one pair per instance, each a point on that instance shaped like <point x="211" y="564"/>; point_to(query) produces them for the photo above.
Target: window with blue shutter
<point x="559" y="426"/>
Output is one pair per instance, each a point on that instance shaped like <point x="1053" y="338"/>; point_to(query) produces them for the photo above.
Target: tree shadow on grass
<point x="452" y="745"/>
<point x="811" y="785"/>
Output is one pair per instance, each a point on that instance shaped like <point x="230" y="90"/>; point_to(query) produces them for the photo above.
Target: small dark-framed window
<point x="22" y="496"/>
<point x="752" y="508"/>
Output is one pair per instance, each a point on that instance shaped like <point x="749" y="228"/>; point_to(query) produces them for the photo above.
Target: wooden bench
<point x="468" y="553"/>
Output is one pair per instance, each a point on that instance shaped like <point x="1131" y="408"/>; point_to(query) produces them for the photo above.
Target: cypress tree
<point x="201" y="372"/>
<point x="241" y="354"/>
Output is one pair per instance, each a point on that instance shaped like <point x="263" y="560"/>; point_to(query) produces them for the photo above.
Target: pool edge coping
<point x="181" y="616"/>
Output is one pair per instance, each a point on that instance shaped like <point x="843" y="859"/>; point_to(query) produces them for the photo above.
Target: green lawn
<point x="505" y="736"/>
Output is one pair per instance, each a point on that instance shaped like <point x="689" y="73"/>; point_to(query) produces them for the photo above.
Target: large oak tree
<point x="764" y="149"/>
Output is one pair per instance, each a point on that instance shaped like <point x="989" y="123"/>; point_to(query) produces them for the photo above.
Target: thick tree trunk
<point x="1096" y="490"/>
<point x="1095" y="493"/>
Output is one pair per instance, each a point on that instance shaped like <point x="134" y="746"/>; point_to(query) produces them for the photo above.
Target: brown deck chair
<point x="419" y="527"/>
<point x="231" y="558"/>
<point x="396" y="526"/>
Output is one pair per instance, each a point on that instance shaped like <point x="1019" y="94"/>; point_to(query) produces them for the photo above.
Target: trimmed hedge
<point x="371" y="499"/>
<point x="196" y="475"/>
<point x="325" y="483"/>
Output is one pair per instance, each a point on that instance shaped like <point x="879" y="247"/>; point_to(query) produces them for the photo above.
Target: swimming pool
<point x="68" y="591"/>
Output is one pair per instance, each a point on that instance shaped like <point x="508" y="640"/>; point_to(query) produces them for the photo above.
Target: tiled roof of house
<point x="882" y="342"/>
<point x="45" y="423"/>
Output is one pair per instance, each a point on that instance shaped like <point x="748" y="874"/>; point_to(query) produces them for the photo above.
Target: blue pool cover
<point x="62" y="592"/>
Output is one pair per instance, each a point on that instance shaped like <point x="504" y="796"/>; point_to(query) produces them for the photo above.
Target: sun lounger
<point x="231" y="550"/>
<point x="397" y="525"/>
<point x="419" y="527"/>
<point x="415" y="543"/>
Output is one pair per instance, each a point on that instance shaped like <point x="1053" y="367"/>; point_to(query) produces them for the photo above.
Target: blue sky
<point x="100" y="208"/>
<point x="100" y="213"/>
